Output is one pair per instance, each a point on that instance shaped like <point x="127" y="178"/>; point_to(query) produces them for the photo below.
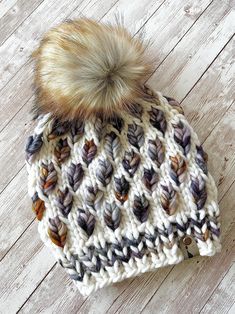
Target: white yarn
<point x="98" y="255"/>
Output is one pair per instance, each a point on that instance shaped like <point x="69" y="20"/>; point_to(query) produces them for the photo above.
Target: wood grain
<point x="186" y="63"/>
<point x="19" y="89"/>
<point x="133" y="14"/>
<point x="193" y="46"/>
<point x="232" y="309"/>
<point x="15" y="16"/>
<point x="223" y="296"/>
<point x="57" y="282"/>
<point x="5" y="6"/>
<point x="16" y="50"/>
<point x="16" y="203"/>
<point x="17" y="282"/>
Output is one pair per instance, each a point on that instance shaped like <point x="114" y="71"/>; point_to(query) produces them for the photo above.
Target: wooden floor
<point x="194" y="47"/>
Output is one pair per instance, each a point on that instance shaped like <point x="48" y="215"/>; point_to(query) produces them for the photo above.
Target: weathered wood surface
<point x="15" y="16"/>
<point x="193" y="45"/>
<point x="223" y="296"/>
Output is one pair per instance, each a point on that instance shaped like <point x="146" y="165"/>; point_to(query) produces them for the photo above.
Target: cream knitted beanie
<point x="118" y="178"/>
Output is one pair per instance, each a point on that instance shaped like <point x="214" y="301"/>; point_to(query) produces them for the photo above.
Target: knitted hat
<point x="118" y="178"/>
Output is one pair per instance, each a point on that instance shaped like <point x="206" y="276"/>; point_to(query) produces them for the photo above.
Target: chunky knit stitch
<point x="121" y="197"/>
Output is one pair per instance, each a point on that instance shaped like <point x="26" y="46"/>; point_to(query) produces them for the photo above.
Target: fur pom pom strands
<point x="86" y="68"/>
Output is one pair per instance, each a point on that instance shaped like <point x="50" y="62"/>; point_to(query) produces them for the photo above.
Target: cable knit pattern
<point x="117" y="198"/>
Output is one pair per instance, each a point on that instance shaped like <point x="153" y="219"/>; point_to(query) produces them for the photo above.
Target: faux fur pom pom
<point x="84" y="68"/>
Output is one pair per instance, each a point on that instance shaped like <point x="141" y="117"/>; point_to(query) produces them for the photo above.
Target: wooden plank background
<point x="193" y="44"/>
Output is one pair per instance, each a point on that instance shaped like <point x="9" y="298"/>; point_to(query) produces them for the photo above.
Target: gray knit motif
<point x="77" y="130"/>
<point x="112" y="145"/>
<point x="121" y="188"/>
<point x="131" y="162"/>
<point x="135" y="135"/>
<point x="150" y="179"/>
<point x="117" y="197"/>
<point x="64" y="202"/>
<point x="141" y="208"/>
<point x="112" y="215"/>
<point x="156" y="151"/>
<point x="104" y="171"/>
<point x="75" y="174"/>
<point x="86" y="221"/>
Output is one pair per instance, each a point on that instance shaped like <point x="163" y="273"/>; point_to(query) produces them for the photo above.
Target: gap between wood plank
<point x="213" y="290"/>
<point x="104" y="13"/>
<point x="219" y="121"/>
<point x="36" y="287"/>
<point x="216" y="287"/>
<point x="149" y="18"/>
<point x="21" y="21"/>
<point x="170" y="270"/>
<point x="9" y="8"/>
<point x="31" y="60"/>
<point x="66" y="19"/>
<point x="179" y="40"/>
<point x="158" y="287"/>
<point x="184" y="98"/>
<point x="227" y="190"/>
<point x="187" y="94"/>
<point x="119" y="295"/>
<point x="12" y="119"/>
<point x="208" y="68"/>
<point x="230" y="309"/>
<point x="12" y="178"/>
<point x="31" y="222"/>
<point x="133" y="36"/>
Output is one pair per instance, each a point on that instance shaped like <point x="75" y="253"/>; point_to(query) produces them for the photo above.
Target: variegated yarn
<point x="118" y="198"/>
